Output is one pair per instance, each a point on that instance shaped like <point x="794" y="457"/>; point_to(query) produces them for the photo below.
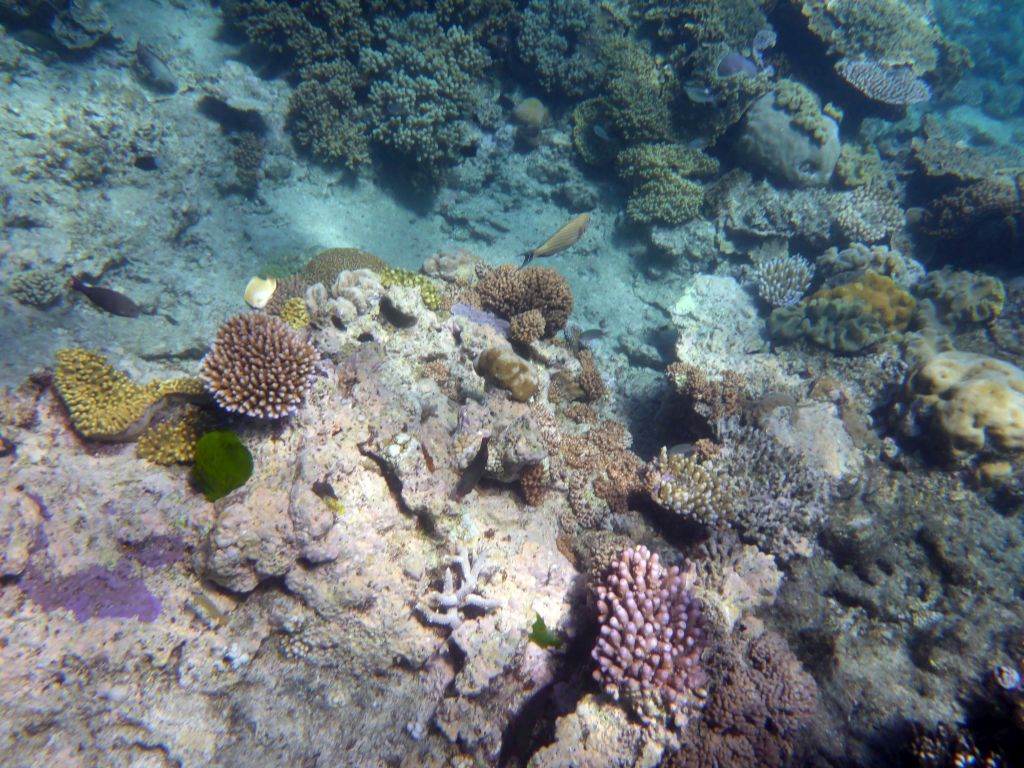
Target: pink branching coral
<point x="651" y="636"/>
<point x="259" y="366"/>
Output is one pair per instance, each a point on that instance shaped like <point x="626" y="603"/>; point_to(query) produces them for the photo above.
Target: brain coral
<point x="508" y="291"/>
<point x="259" y="366"/>
<point x="976" y="402"/>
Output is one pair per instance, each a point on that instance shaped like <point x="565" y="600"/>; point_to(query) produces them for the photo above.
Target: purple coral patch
<point x="94" y="592"/>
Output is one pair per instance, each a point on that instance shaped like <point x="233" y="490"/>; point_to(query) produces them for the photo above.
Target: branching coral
<point x="258" y="366"/>
<point x="660" y="175"/>
<point x="104" y="403"/>
<point x="651" y="637"/>
<point x="444" y="607"/>
<point x="681" y="484"/>
<point x="509" y="292"/>
<point x="783" y="280"/>
<point x="556" y="42"/>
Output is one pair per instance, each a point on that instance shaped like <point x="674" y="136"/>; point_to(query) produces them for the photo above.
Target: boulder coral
<point x="973" y="402"/>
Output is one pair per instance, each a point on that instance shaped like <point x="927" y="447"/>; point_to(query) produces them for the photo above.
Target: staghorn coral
<point x="36" y="288"/>
<point x="660" y="176"/>
<point x="680" y="483"/>
<point x="258" y="366"/>
<point x="763" y="698"/>
<point x="650" y="639"/>
<point x="509" y="291"/>
<point x="783" y="280"/>
<point x="103" y="402"/>
<point x="445" y="607"/>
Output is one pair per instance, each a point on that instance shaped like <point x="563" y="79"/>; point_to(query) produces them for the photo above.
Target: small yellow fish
<point x="568" y="235"/>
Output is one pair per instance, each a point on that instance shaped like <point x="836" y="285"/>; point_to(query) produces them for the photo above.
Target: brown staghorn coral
<point x="258" y="366"/>
<point x="761" y="698"/>
<point x="508" y="291"/>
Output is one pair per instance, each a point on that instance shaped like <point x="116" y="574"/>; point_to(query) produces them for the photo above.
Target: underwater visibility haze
<point x="548" y="383"/>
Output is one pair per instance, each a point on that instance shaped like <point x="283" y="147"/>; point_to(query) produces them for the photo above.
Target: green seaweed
<point x="542" y="636"/>
<point x="223" y="464"/>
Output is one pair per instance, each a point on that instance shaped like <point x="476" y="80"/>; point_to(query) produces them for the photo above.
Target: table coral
<point x="103" y="402"/>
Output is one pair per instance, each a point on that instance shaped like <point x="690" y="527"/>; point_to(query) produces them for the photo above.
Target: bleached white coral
<point x="444" y="607"/>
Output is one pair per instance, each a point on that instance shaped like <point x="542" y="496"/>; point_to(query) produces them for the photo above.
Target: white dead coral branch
<point x="445" y="607"/>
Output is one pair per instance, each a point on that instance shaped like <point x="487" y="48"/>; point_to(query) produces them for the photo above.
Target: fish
<point x="592" y="335"/>
<point x="568" y="235"/>
<point x="472" y="474"/>
<point x="109" y="301"/>
<point x="152" y="70"/>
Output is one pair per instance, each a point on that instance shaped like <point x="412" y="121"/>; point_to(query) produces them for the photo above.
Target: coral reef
<point x="258" y="366"/>
<point x="661" y="180"/>
<point x="104" y="403"/>
<point x="509" y="292"/>
<point x="973" y="403"/>
<point x="783" y="280"/>
<point x="651" y="638"/>
<point x="841" y="326"/>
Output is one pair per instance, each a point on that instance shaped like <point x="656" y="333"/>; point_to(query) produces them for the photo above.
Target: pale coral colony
<point x="724" y="473"/>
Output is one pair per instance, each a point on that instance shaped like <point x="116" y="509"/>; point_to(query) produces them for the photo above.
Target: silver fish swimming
<point x="569" y="234"/>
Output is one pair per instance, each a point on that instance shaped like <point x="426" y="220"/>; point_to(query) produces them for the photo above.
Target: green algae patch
<point x="542" y="636"/>
<point x="223" y="464"/>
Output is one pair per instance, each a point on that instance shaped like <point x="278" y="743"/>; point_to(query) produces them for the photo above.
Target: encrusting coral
<point x="259" y="366"/>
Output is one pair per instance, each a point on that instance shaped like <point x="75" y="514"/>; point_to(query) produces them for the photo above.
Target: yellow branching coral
<point x="680" y="483"/>
<point x="104" y="403"/>
<point x="172" y="441"/>
<point x="429" y="291"/>
<point x="295" y="313"/>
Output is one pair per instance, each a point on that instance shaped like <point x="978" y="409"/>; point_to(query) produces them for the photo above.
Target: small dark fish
<point x="700" y="93"/>
<point x="427" y="458"/>
<point x="324" y="490"/>
<point x="472" y="474"/>
<point x="592" y="335"/>
<point x="110" y="301"/>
